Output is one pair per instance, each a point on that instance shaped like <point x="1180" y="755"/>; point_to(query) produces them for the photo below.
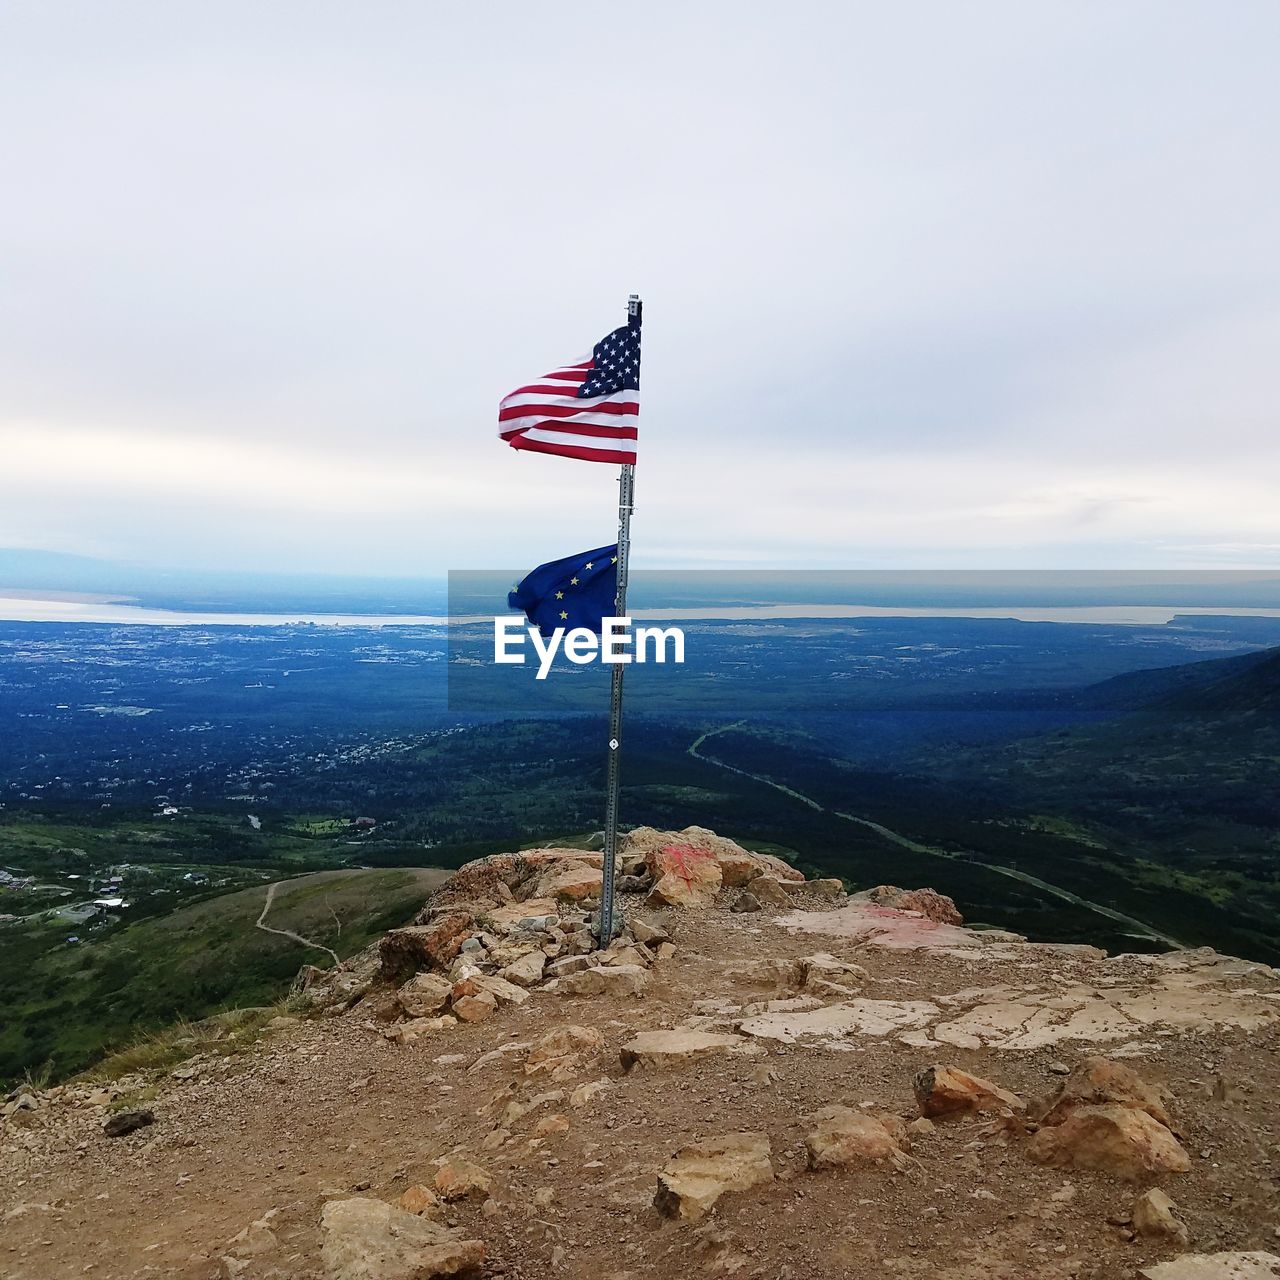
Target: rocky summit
<point x="760" y="1076"/>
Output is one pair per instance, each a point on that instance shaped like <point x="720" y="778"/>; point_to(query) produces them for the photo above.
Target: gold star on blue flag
<point x="577" y="591"/>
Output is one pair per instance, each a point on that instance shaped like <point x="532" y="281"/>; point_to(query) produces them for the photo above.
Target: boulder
<point x="824" y="975"/>
<point x="646" y="931"/>
<point x="768" y="891"/>
<point x="474" y="1008"/>
<point x="369" y="1240"/>
<point x="459" y="1179"/>
<point x="944" y="1091"/>
<point x="611" y="980"/>
<point x="419" y="1199"/>
<point x="526" y="971"/>
<point x="523" y="917"/>
<point x="126" y="1122"/>
<point x="847" y="1136"/>
<point x="684" y="876"/>
<point x="562" y="1052"/>
<point x="680" y="1047"/>
<point x="571" y="884"/>
<point x="700" y="1173"/>
<point x="829" y="888"/>
<point x="1100" y="1082"/>
<point x="926" y="902"/>
<point x="1123" y="1141"/>
<point x="738" y="866"/>
<point x="499" y="988"/>
<point x="425" y="995"/>
<point x="566" y="965"/>
<point x="1153" y="1215"/>
<point x="424" y="946"/>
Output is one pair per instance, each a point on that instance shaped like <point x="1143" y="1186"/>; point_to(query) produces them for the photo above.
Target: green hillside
<point x="63" y="1006"/>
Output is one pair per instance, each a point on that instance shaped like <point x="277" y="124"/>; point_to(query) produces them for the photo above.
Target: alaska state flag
<point x="577" y="591"/>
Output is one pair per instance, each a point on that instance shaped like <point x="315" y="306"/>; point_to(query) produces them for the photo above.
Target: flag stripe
<point x="573" y="451"/>
<point x="619" y="444"/>
<point x="601" y="430"/>
<point x="586" y="408"/>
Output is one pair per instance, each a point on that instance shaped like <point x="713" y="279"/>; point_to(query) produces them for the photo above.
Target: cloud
<point x="970" y="284"/>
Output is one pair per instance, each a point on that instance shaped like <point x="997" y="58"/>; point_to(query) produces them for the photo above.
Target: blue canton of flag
<point x="615" y="364"/>
<point x="577" y="591"/>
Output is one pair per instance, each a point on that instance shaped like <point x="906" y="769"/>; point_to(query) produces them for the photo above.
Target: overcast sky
<point x="983" y="285"/>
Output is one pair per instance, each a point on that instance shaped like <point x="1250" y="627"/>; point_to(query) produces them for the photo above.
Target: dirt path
<point x="1144" y="930"/>
<point x="288" y="933"/>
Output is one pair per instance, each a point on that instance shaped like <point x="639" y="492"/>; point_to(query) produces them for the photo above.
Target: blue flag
<point x="577" y="591"/>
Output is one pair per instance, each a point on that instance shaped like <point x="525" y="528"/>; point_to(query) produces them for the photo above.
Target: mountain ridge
<point x="763" y="1076"/>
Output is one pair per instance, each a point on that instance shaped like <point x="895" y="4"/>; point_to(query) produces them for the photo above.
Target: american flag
<point x="587" y="410"/>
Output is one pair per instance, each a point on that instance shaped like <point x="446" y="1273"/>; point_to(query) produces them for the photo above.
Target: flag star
<point x="590" y="565"/>
<point x="559" y="595"/>
<point x="573" y="582"/>
<point x="563" y="615"/>
<point x="614" y="560"/>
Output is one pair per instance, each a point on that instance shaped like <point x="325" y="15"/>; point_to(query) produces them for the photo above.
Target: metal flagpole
<point x="626" y="499"/>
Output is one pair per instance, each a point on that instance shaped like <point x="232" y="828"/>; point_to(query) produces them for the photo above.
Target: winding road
<point x="905" y="842"/>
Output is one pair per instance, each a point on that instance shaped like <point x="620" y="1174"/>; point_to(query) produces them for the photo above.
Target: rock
<point x="828" y="888"/>
<point x="823" y="974"/>
<point x="921" y="1126"/>
<point x="679" y="1047"/>
<point x="254" y="1241"/>
<point x="1257" y="1265"/>
<point x="523" y="917"/>
<point x="925" y="902"/>
<point x="684" y="876"/>
<point x="769" y="975"/>
<point x="572" y="885"/>
<point x="459" y="1179"/>
<point x="561" y="1052"/>
<point x="943" y="1091"/>
<point x="425" y="995"/>
<point x="566" y="965"/>
<point x="419" y="946"/>
<point x="587" y="1093"/>
<point x="613" y="980"/>
<point x="768" y="891"/>
<point x="126" y="1122"/>
<point x="419" y="1199"/>
<point x="1099" y="1082"/>
<point x="665" y="951"/>
<point x="700" y="1173"/>
<point x="643" y="930"/>
<point x="636" y="955"/>
<point x="370" y="1240"/>
<point x="846" y="1136"/>
<point x="499" y="988"/>
<point x="1153" y="1215"/>
<point x="474" y="1008"/>
<point x="528" y="969"/>
<point x="1119" y="1140"/>
<point x="550" y="1127"/>
<point x="745" y="902"/>
<point x="408" y="1032"/>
